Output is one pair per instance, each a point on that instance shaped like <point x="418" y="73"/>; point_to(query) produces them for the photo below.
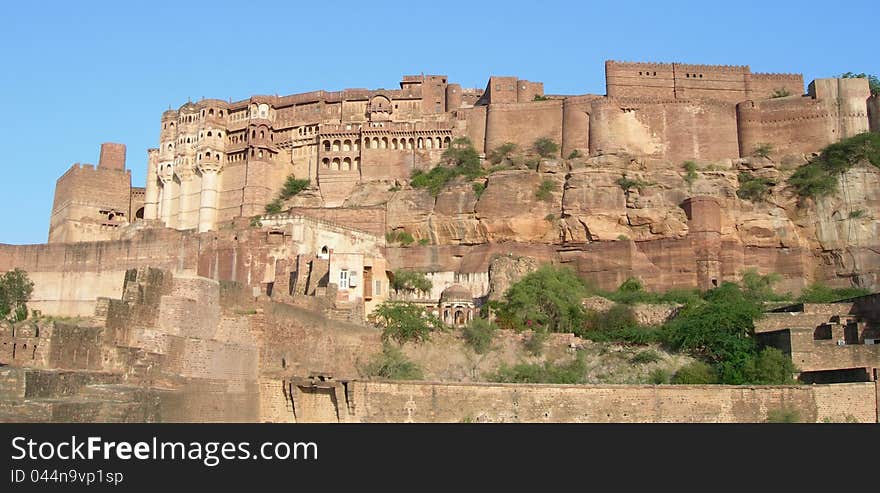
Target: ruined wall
<point x="81" y="195"/>
<point x="675" y="130"/>
<point x="576" y="124"/>
<point x="874" y="113"/>
<point x="453" y="402"/>
<point x="730" y="83"/>
<point x="833" y="110"/>
<point x="523" y="123"/>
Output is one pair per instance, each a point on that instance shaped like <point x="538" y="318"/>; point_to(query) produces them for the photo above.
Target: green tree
<point x="391" y="364"/>
<point x="546" y="147"/>
<point x="410" y="282"/>
<point x="404" y="322"/>
<point x="15" y="291"/>
<point x="501" y="152"/>
<point x="479" y="334"/>
<point x="695" y="373"/>
<point x="820" y="293"/>
<point x="548" y="299"/>
<point x="292" y="186"/>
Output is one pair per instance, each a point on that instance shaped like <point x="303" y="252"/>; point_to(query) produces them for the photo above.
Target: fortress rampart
<point x="220" y="160"/>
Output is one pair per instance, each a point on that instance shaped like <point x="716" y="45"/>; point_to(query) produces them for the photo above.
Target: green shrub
<point x="626" y="184"/>
<point x="690" y="169"/>
<point x="424" y="241"/>
<point x="404" y="322"/>
<point x="857" y="214"/>
<point x="770" y="367"/>
<point x="434" y="180"/>
<point x="500" y="153"/>
<point x="534" y="343"/>
<point x="780" y="93"/>
<point x="631" y="285"/>
<point x="819" y="293"/>
<point x="575" y="154"/>
<point x="462" y="160"/>
<point x="783" y="415"/>
<point x="545" y="190"/>
<point x="540" y="97"/>
<point x="760" y="287"/>
<point x="274" y="207"/>
<point x="391" y="364"/>
<point x="410" y="282"/>
<point x="479" y="188"/>
<point x="292" y="186"/>
<point x="753" y="188"/>
<point x="479" y="334"/>
<point x="256" y="222"/>
<point x="15" y="291"/>
<point x="762" y="150"/>
<point x="645" y="357"/>
<point x="818" y="178"/>
<point x="399" y="236"/>
<point x="659" y="376"/>
<point x="546" y="147"/>
<point x="622" y="237"/>
<point x="695" y="373"/>
<point x="564" y="373"/>
<point x="548" y="299"/>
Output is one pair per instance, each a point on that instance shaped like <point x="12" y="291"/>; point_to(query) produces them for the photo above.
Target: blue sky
<point x="80" y="73"/>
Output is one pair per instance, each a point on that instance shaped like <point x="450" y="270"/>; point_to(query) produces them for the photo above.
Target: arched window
<point x="262" y="134"/>
<point x="211" y="111"/>
<point x="438" y="142"/>
<point x="393" y="143"/>
<point x="446" y="142"/>
<point x="327" y="145"/>
<point x="367" y="143"/>
<point x="384" y="144"/>
<point x="375" y="143"/>
<point x="334" y="165"/>
<point x="336" y="145"/>
<point x="410" y="143"/>
<point x="421" y="143"/>
<point x="346" y="146"/>
<point x="429" y="143"/>
<point x="209" y="133"/>
<point x="357" y="163"/>
<point x="326" y="162"/>
<point x="346" y="164"/>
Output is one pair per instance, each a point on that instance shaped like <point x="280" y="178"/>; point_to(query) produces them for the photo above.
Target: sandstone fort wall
<point x="458" y="402"/>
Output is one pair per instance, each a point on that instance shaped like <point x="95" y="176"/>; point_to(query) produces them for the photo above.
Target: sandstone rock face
<point x="504" y="271"/>
<point x="513" y="207"/>
<point x="596" y="204"/>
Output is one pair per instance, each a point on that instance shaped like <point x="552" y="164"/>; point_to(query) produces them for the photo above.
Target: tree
<point x="405" y="322"/>
<point x="548" y="299"/>
<point x="410" y="282"/>
<point x="15" y="291"/>
<point x="546" y="147"/>
<point x="501" y="152"/>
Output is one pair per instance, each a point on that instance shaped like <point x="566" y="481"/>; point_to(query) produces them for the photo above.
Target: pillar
<point x="151" y="194"/>
<point x="208" y="204"/>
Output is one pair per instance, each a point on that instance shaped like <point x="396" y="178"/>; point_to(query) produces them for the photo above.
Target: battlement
<point x="638" y="65"/>
<point x="775" y="76"/>
<point x="686" y="67"/>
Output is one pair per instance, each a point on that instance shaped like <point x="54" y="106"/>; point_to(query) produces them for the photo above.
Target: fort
<point x="190" y="287"/>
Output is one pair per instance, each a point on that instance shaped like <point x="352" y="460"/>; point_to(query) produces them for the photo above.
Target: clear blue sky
<point x="80" y="73"/>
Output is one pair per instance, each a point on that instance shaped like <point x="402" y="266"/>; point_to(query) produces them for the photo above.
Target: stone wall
<point x="453" y="402"/>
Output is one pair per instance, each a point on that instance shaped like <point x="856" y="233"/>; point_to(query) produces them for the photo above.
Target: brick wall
<point x="452" y="402"/>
